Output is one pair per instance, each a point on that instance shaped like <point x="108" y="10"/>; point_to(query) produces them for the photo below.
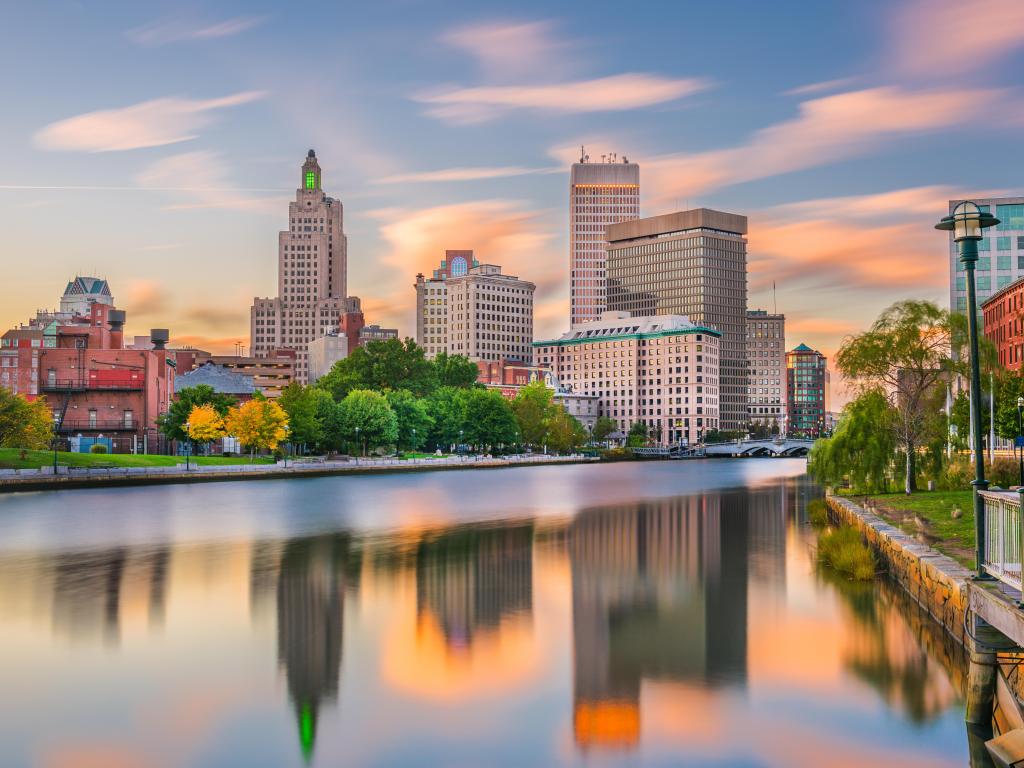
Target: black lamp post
<point x="188" y="444"/>
<point x="358" y="444"/>
<point x="966" y="223"/>
<point x="56" y="441"/>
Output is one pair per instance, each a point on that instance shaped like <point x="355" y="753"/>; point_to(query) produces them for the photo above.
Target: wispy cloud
<point x="614" y="93"/>
<point x="201" y="180"/>
<point x="508" y="50"/>
<point x="826" y="130"/>
<point x="464" y="174"/>
<point x="823" y="87"/>
<point x="849" y="242"/>
<point x="152" y="123"/>
<point x="164" y="31"/>
<point x="939" y="38"/>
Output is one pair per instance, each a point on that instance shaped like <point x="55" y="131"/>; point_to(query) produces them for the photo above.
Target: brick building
<point x="1003" y="316"/>
<point x="97" y="389"/>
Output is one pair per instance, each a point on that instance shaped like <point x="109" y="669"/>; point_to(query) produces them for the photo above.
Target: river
<point x="662" y="613"/>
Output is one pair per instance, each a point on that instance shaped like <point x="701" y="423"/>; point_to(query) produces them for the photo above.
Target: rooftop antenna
<point x="603" y="158"/>
<point x="775" y="302"/>
<point x="583" y="155"/>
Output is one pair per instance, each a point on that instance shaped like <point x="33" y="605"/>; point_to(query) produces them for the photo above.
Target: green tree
<point x="414" y="421"/>
<point x="603" y="427"/>
<point x="533" y="406"/>
<point x="906" y="355"/>
<point x="302" y="405"/>
<point x="565" y="433"/>
<point x="24" y="423"/>
<point x="489" y="419"/>
<point x="447" y="409"/>
<point x="382" y="365"/>
<point x="637" y="437"/>
<point x="367" y="420"/>
<point x="172" y="423"/>
<point x="1009" y="386"/>
<point x="332" y="429"/>
<point x="862" y="447"/>
<point x="455" y="370"/>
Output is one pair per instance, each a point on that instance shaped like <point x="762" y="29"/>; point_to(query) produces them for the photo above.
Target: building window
<point x="984" y="244"/>
<point x="1003" y="262"/>
<point x="92" y="418"/>
<point x="128" y="419"/>
<point x="310" y="179"/>
<point x="1010" y="217"/>
<point x="1003" y="243"/>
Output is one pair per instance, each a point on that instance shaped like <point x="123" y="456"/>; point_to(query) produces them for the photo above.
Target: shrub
<point x="98" y="448"/>
<point x="957" y="475"/>
<point x="843" y="549"/>
<point x="1004" y="472"/>
<point x="817" y="512"/>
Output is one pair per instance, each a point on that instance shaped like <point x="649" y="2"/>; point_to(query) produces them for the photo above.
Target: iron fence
<point x="1003" y="537"/>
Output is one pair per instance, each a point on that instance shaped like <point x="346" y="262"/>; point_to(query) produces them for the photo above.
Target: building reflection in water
<point x="89" y="591"/>
<point x="659" y="593"/>
<point x="470" y="578"/>
<point x="314" y="574"/>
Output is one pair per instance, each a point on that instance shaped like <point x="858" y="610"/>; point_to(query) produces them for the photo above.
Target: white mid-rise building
<point x="312" y="275"/>
<point x="600" y="193"/>
<point x="660" y="370"/>
<point x="472" y="309"/>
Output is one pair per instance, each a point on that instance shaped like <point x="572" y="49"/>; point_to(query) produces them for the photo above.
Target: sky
<point x="157" y="144"/>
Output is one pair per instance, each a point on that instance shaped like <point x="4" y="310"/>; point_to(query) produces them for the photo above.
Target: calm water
<point x="633" y="614"/>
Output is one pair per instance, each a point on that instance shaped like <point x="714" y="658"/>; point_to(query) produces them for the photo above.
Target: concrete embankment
<point x="936" y="582"/>
<point x="44" y="479"/>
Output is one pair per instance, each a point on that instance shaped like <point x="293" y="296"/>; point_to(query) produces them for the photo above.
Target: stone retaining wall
<point x="936" y="582"/>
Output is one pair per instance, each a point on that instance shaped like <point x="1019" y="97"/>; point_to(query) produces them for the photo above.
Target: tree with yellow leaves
<point x="259" y="425"/>
<point x="204" y="424"/>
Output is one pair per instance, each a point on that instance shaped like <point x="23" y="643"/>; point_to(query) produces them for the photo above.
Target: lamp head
<point x="967" y="221"/>
<point x="1020" y="402"/>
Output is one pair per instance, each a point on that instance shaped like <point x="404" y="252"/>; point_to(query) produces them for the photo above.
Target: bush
<point x="957" y="475"/>
<point x="843" y="549"/>
<point x="98" y="448"/>
<point x="1004" y="472"/>
<point x="817" y="512"/>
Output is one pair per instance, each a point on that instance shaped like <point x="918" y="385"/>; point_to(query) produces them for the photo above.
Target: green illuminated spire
<point x="307" y="730"/>
<point x="311" y="172"/>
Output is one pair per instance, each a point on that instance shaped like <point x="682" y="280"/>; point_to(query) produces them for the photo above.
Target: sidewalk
<point x="84" y="477"/>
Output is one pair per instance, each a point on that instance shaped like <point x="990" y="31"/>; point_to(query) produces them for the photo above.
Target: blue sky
<point x="157" y="144"/>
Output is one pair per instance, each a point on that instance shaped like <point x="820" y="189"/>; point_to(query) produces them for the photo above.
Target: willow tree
<point x="861" y="448"/>
<point x="906" y="355"/>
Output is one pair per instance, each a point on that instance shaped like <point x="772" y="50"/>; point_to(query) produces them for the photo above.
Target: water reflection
<point x="636" y="632"/>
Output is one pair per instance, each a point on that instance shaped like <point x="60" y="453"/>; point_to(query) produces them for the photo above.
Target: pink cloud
<point x="825" y="130"/>
<point x="167" y="31"/>
<point x="939" y="38"/>
<point x="614" y="93"/>
<point x="507" y="50"/>
<point x="464" y="174"/>
<point x="498" y="231"/>
<point x="147" y="124"/>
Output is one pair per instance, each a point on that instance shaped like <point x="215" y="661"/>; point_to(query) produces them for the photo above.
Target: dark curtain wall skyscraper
<point x="689" y="263"/>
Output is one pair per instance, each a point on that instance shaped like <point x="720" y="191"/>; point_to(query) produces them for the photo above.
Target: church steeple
<point x="310" y="172"/>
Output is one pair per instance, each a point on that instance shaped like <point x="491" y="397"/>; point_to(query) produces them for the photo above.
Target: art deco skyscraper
<point x="600" y="193"/>
<point x="312" y="264"/>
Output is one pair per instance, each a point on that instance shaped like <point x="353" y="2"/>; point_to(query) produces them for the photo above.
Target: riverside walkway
<point x="12" y="480"/>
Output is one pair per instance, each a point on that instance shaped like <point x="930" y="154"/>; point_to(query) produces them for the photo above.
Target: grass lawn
<point x="11" y="458"/>
<point x="928" y="514"/>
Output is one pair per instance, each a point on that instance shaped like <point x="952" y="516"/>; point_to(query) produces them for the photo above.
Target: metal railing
<point x="1003" y="537"/>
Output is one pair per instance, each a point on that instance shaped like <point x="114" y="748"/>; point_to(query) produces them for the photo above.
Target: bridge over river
<point x="789" y="447"/>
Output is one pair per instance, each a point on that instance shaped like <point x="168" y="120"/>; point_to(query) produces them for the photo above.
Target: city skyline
<point x="155" y="147"/>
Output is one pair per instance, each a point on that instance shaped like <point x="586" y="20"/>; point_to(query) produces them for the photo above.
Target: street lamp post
<point x="188" y="444"/>
<point x="966" y="223"/>
<point x="56" y="441"/>
<point x="359" y="445"/>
